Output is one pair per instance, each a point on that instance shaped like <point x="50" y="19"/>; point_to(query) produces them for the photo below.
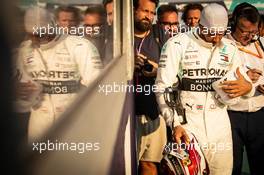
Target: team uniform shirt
<point x="60" y="67"/>
<point x="252" y="57"/>
<point x="198" y="64"/>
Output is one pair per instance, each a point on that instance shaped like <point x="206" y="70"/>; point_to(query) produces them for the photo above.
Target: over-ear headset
<point x="238" y="11"/>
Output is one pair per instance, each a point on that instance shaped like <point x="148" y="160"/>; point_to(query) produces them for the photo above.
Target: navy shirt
<point x="145" y="103"/>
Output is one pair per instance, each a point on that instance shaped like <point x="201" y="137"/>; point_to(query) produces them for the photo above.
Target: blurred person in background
<point x="109" y="7"/>
<point x="246" y="117"/>
<point x="191" y="15"/>
<point x="168" y="18"/>
<point x="49" y="71"/>
<point x="95" y="22"/>
<point x="67" y="16"/>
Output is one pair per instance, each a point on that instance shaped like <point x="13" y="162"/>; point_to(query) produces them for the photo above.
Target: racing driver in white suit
<point x="199" y="58"/>
<point x="51" y="69"/>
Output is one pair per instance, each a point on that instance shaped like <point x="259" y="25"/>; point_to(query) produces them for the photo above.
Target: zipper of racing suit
<point x="212" y="50"/>
<point x="46" y="68"/>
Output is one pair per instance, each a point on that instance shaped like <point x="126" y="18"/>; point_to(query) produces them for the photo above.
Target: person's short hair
<point x="261" y="22"/>
<point x="262" y="18"/>
<point x="96" y="9"/>
<point x="189" y="7"/>
<point x="244" y="10"/>
<point x="136" y="3"/>
<point x="70" y="9"/>
<point x="105" y="2"/>
<point x="166" y="8"/>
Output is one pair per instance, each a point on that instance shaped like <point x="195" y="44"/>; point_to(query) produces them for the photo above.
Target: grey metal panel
<point x="95" y="117"/>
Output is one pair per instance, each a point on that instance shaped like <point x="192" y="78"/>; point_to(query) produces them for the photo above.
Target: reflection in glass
<point x="63" y="51"/>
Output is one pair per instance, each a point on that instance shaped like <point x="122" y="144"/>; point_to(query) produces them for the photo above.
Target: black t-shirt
<point x="145" y="102"/>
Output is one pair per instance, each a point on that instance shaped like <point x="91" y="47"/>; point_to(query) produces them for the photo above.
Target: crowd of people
<point x="209" y="47"/>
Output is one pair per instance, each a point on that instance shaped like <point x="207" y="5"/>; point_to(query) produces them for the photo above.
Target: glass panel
<point x="64" y="45"/>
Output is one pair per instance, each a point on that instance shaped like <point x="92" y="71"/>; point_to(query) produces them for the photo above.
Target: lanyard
<point x="138" y="52"/>
<point x="140" y="45"/>
<point x="259" y="55"/>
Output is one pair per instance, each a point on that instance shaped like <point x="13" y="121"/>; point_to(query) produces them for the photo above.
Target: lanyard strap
<point x="259" y="55"/>
<point x="138" y="52"/>
<point x="140" y="45"/>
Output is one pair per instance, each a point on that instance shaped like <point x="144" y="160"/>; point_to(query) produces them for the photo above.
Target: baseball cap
<point x="214" y="17"/>
<point x="36" y="18"/>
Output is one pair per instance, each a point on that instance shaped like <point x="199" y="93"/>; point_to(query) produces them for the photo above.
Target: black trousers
<point x="248" y="131"/>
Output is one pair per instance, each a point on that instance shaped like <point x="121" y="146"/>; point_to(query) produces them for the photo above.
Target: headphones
<point x="238" y="11"/>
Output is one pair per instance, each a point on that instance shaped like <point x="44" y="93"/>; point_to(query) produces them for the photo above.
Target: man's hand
<point x="237" y="87"/>
<point x="261" y="88"/>
<point x="139" y="61"/>
<point x="139" y="64"/>
<point x="25" y="89"/>
<point x="254" y="74"/>
<point x="179" y="133"/>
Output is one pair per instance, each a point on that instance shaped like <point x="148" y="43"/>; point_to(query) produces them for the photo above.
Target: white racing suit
<point x="198" y="63"/>
<point x="60" y="66"/>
